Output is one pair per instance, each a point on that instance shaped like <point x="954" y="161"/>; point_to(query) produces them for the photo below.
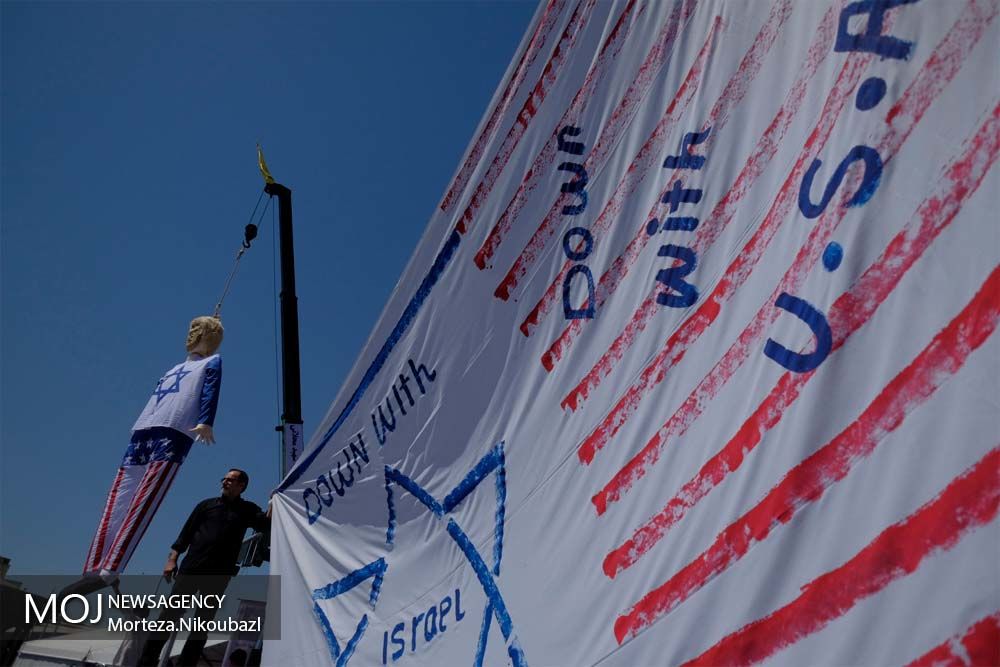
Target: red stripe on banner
<point x="968" y="502"/>
<point x="97" y="545"/>
<point x="531" y="106"/>
<point x="946" y="59"/>
<point x="151" y="483"/>
<point x="850" y="311"/>
<point x="979" y="645"/>
<point x="806" y="482"/>
<point x="648" y="155"/>
<point x="623" y="114"/>
<point x="730" y="98"/>
<point x="542" y="33"/>
<point x="929" y="82"/>
<point x="706" y="234"/>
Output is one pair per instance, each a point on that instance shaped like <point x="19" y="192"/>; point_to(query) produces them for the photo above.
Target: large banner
<point x="695" y="363"/>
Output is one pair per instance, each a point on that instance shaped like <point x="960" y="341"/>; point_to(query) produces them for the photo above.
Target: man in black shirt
<point x="212" y="537"/>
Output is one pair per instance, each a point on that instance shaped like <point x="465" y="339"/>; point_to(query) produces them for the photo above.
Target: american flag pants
<point x="147" y="470"/>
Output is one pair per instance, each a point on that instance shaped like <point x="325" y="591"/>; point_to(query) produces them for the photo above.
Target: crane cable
<point x="250" y="231"/>
<point x="249" y="234"/>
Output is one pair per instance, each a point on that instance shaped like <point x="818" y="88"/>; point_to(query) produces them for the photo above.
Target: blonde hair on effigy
<point x="208" y="329"/>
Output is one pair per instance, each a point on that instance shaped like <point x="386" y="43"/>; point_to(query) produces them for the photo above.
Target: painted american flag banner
<point x="695" y="362"/>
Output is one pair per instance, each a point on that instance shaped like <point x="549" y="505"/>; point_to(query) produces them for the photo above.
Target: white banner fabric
<point x="694" y="364"/>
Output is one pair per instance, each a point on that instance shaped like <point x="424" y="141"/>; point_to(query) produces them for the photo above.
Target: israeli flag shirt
<point x="187" y="395"/>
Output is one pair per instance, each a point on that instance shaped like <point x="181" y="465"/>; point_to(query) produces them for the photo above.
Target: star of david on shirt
<point x="177" y="375"/>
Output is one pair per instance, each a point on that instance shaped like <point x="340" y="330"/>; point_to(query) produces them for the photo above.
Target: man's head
<point x="234" y="483"/>
<point x="204" y="335"/>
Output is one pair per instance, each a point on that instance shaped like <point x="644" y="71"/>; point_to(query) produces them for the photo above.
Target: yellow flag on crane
<point x="263" y="166"/>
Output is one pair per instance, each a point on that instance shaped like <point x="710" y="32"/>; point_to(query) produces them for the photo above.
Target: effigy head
<point x="204" y="335"/>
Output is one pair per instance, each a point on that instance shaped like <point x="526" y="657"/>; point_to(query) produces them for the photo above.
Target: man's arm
<point x="260" y="520"/>
<point x="170" y="567"/>
<point x="182" y="542"/>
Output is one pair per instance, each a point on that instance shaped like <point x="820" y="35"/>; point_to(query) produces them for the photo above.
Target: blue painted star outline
<point x="178" y="375"/>
<point x="492" y="462"/>
<point x="375" y="571"/>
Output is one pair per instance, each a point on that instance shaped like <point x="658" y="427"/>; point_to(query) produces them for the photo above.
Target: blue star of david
<point x="177" y="375"/>
<point x="493" y="461"/>
<point x="375" y="571"/>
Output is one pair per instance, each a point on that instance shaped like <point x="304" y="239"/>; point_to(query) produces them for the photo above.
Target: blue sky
<point x="128" y="171"/>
